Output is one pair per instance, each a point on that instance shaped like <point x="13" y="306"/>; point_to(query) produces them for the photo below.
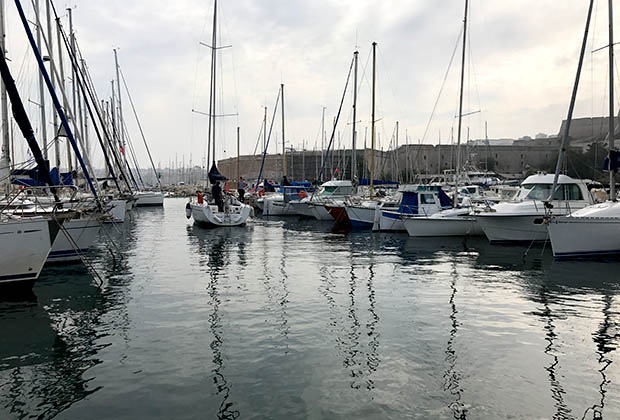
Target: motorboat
<point x="522" y="220"/>
<point x="416" y="200"/>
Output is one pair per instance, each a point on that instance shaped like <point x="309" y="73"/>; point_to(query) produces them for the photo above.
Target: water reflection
<point x="62" y="332"/>
<point x="605" y="339"/>
<point x="452" y="377"/>
<point x="360" y="359"/>
<point x="214" y="254"/>
<point x="563" y="412"/>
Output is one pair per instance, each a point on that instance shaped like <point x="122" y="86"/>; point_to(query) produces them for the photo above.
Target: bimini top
<point x="548" y="179"/>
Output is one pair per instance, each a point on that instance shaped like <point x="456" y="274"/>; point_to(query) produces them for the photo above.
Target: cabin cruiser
<point x="279" y="204"/>
<point x="522" y="220"/>
<point x="416" y="200"/>
<point x="458" y="221"/>
<point x="314" y="205"/>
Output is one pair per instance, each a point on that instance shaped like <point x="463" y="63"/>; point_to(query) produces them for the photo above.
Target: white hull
<point x="513" y="228"/>
<point x="118" y="210"/>
<point x="277" y="207"/>
<point x="442" y="226"/>
<point x="25" y="245"/>
<point x="83" y="232"/>
<point x="210" y="216"/>
<point x="390" y="221"/>
<point x="361" y="216"/>
<point x="301" y="208"/>
<point x="319" y="212"/>
<point x="150" y="199"/>
<point x="594" y="230"/>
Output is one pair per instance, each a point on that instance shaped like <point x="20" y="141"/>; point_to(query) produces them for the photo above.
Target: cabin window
<point x="427" y="199"/>
<point x="564" y="192"/>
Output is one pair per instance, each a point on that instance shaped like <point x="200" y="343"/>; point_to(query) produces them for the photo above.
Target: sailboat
<point x="458" y="220"/>
<point x="230" y="211"/>
<point x="595" y="229"/>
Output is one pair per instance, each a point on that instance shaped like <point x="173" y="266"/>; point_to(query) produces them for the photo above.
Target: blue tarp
<point x="376" y="182"/>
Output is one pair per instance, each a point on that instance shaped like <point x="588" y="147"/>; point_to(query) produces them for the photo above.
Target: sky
<point x="521" y="62"/>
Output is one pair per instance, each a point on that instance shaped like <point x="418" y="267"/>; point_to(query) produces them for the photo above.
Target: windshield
<point x="542" y="191"/>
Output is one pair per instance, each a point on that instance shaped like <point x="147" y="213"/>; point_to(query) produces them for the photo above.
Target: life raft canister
<point x="188" y="210"/>
<point x="302" y="194"/>
<point x="261" y="193"/>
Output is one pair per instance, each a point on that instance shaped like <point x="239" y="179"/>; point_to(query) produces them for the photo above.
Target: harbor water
<point x="285" y="319"/>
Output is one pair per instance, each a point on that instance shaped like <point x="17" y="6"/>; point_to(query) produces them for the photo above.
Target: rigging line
<point x="132" y="151"/>
<point x="135" y="113"/>
<point x="456" y="45"/>
<point x="331" y="140"/>
<point x="86" y="85"/>
<point x="262" y="165"/>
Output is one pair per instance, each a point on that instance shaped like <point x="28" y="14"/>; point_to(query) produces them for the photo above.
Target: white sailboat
<point x="229" y="212"/>
<point x="593" y="230"/>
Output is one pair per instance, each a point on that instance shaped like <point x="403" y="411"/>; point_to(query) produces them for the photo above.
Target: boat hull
<point x="442" y="226"/>
<point x="207" y="215"/>
<point x="361" y="217"/>
<point x="118" y="210"/>
<point x="83" y="233"/>
<point x="150" y="199"/>
<point x="584" y="236"/>
<point x="390" y="221"/>
<point x="319" y="212"/>
<point x="524" y="228"/>
<point x="338" y="212"/>
<point x="25" y="245"/>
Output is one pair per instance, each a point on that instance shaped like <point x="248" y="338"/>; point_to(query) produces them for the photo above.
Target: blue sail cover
<point x="34" y="177"/>
<point x="615" y="160"/>
<point x="409" y="203"/>
<point x="377" y="182"/>
<point x="444" y="200"/>
<point x="215" y="175"/>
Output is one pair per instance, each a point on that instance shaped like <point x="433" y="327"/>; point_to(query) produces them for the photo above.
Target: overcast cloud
<point x="520" y="72"/>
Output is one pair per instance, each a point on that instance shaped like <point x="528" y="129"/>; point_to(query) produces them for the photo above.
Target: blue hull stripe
<point x="19" y="276"/>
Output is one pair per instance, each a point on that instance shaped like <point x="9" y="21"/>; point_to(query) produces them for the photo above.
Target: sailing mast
<point x="50" y="45"/>
<point x="5" y="159"/>
<point x="41" y="90"/>
<point x="612" y="181"/>
<point x="354" y="146"/>
<point x="571" y="107"/>
<point x="372" y="121"/>
<point x="213" y="74"/>
<point x="283" y="138"/>
<point x="458" y="141"/>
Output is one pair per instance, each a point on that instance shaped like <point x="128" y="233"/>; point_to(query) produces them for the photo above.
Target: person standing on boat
<point x="285" y="182"/>
<point x="241" y="189"/>
<point x="216" y="193"/>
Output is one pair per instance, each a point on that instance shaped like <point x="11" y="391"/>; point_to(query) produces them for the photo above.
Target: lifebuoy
<point x="261" y="193"/>
<point x="302" y="194"/>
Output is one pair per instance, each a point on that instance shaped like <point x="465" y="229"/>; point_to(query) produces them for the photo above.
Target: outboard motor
<point x="188" y="210"/>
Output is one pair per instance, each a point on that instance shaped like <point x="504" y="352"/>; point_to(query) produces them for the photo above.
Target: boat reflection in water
<point x="214" y="248"/>
<point x="52" y="338"/>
